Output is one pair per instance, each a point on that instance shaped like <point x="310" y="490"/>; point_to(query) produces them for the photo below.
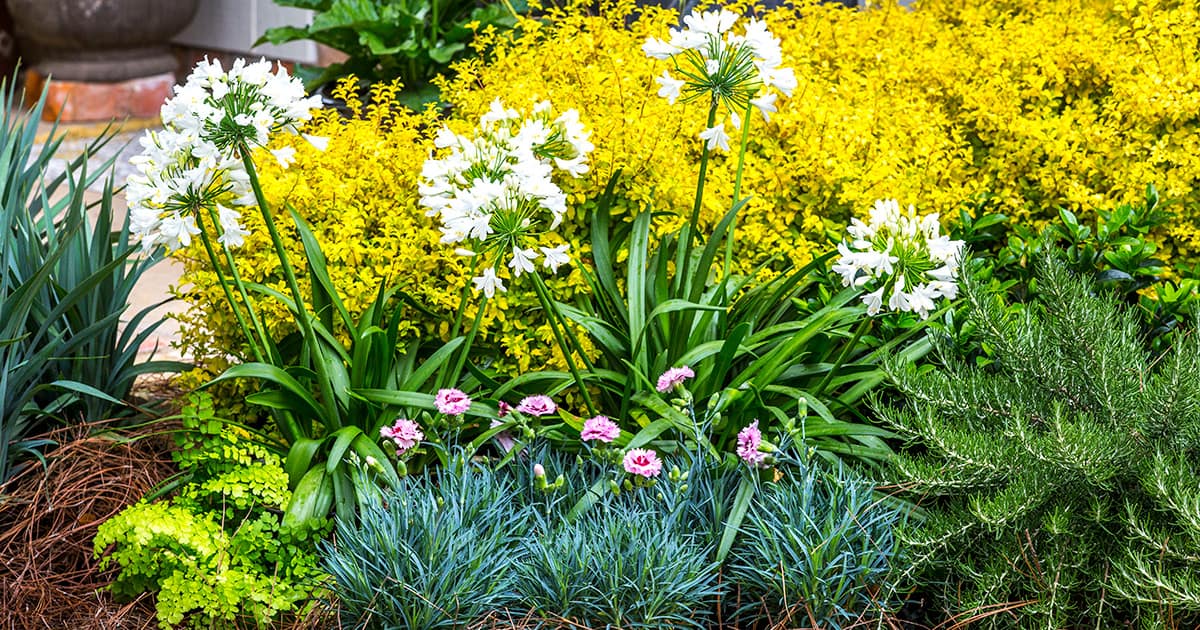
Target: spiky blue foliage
<point x="437" y="553"/>
<point x="815" y="551"/>
<point x="630" y="564"/>
<point x="66" y="275"/>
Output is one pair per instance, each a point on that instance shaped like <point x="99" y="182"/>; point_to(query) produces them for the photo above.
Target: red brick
<point x="78" y="101"/>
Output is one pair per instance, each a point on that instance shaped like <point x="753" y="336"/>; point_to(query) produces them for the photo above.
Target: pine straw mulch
<point x="49" y="578"/>
<point x="48" y="517"/>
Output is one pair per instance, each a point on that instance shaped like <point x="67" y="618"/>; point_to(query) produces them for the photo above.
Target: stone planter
<point x="99" y="40"/>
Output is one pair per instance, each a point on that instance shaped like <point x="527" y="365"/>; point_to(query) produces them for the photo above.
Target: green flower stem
<point x="571" y="336"/>
<point x="691" y="229"/>
<point x="241" y="287"/>
<point x="466" y="348"/>
<point x="463" y="297"/>
<point x="332" y="421"/>
<point x="462" y="300"/>
<point x="237" y="312"/>
<point x="737" y="190"/>
<point x="858" y="333"/>
<point x="554" y="317"/>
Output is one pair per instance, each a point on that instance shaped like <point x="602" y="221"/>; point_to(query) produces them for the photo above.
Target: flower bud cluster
<point x="495" y="191"/>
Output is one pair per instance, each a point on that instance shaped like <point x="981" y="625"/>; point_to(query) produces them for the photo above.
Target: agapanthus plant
<point x="737" y="72"/>
<point x="902" y="257"/>
<point x="496" y="199"/>
<point x="200" y="168"/>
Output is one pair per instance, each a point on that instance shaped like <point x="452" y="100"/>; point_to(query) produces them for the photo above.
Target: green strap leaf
<point x="737" y="514"/>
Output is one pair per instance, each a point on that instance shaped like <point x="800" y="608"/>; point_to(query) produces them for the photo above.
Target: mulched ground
<point x="48" y="517"/>
<point x="49" y="579"/>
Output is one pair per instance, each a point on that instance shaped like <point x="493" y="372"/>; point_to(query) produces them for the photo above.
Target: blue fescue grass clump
<point x="815" y="550"/>
<point x="431" y="555"/>
<point x="627" y="566"/>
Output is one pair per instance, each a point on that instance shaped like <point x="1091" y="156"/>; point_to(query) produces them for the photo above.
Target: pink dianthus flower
<point x="674" y="376"/>
<point x="452" y="402"/>
<point x="748" y="440"/>
<point x="537" y="406"/>
<point x="642" y="461"/>
<point x="405" y="433"/>
<point x="600" y="428"/>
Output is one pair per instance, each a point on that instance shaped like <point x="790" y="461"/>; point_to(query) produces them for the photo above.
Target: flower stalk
<point x="302" y="317"/>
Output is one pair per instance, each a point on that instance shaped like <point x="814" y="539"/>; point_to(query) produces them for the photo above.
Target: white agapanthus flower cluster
<point x="494" y="193"/>
<point x="193" y="163"/>
<point x="717" y="63"/>
<point x="904" y="256"/>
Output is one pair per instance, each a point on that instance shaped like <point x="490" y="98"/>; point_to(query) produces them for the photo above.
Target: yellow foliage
<point x="1078" y="104"/>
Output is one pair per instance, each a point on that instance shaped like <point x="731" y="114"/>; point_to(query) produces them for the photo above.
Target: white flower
<point x="446" y="138"/>
<point x="176" y="231"/>
<point x="782" y="79"/>
<point x="555" y="256"/>
<point x="765" y="104"/>
<point x="885" y="211"/>
<point x="670" y="86"/>
<point x="874" y="301"/>
<point x="232" y="233"/>
<point x="320" y="143"/>
<point x="763" y="43"/>
<point x="497" y="112"/>
<point x="942" y="249"/>
<point x="496" y="190"/>
<point x="522" y="261"/>
<point x="658" y="49"/>
<point x="575" y="168"/>
<point x="734" y="67"/>
<point x="285" y="156"/>
<point x="920" y="301"/>
<point x="899" y="299"/>
<point x="193" y="159"/>
<point x="900" y="252"/>
<point x="489" y="283"/>
<point x="716" y="137"/>
<point x="711" y="23"/>
<point x="948" y="290"/>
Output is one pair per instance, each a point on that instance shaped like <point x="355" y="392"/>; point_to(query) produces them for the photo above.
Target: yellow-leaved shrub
<point x="1076" y="104"/>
